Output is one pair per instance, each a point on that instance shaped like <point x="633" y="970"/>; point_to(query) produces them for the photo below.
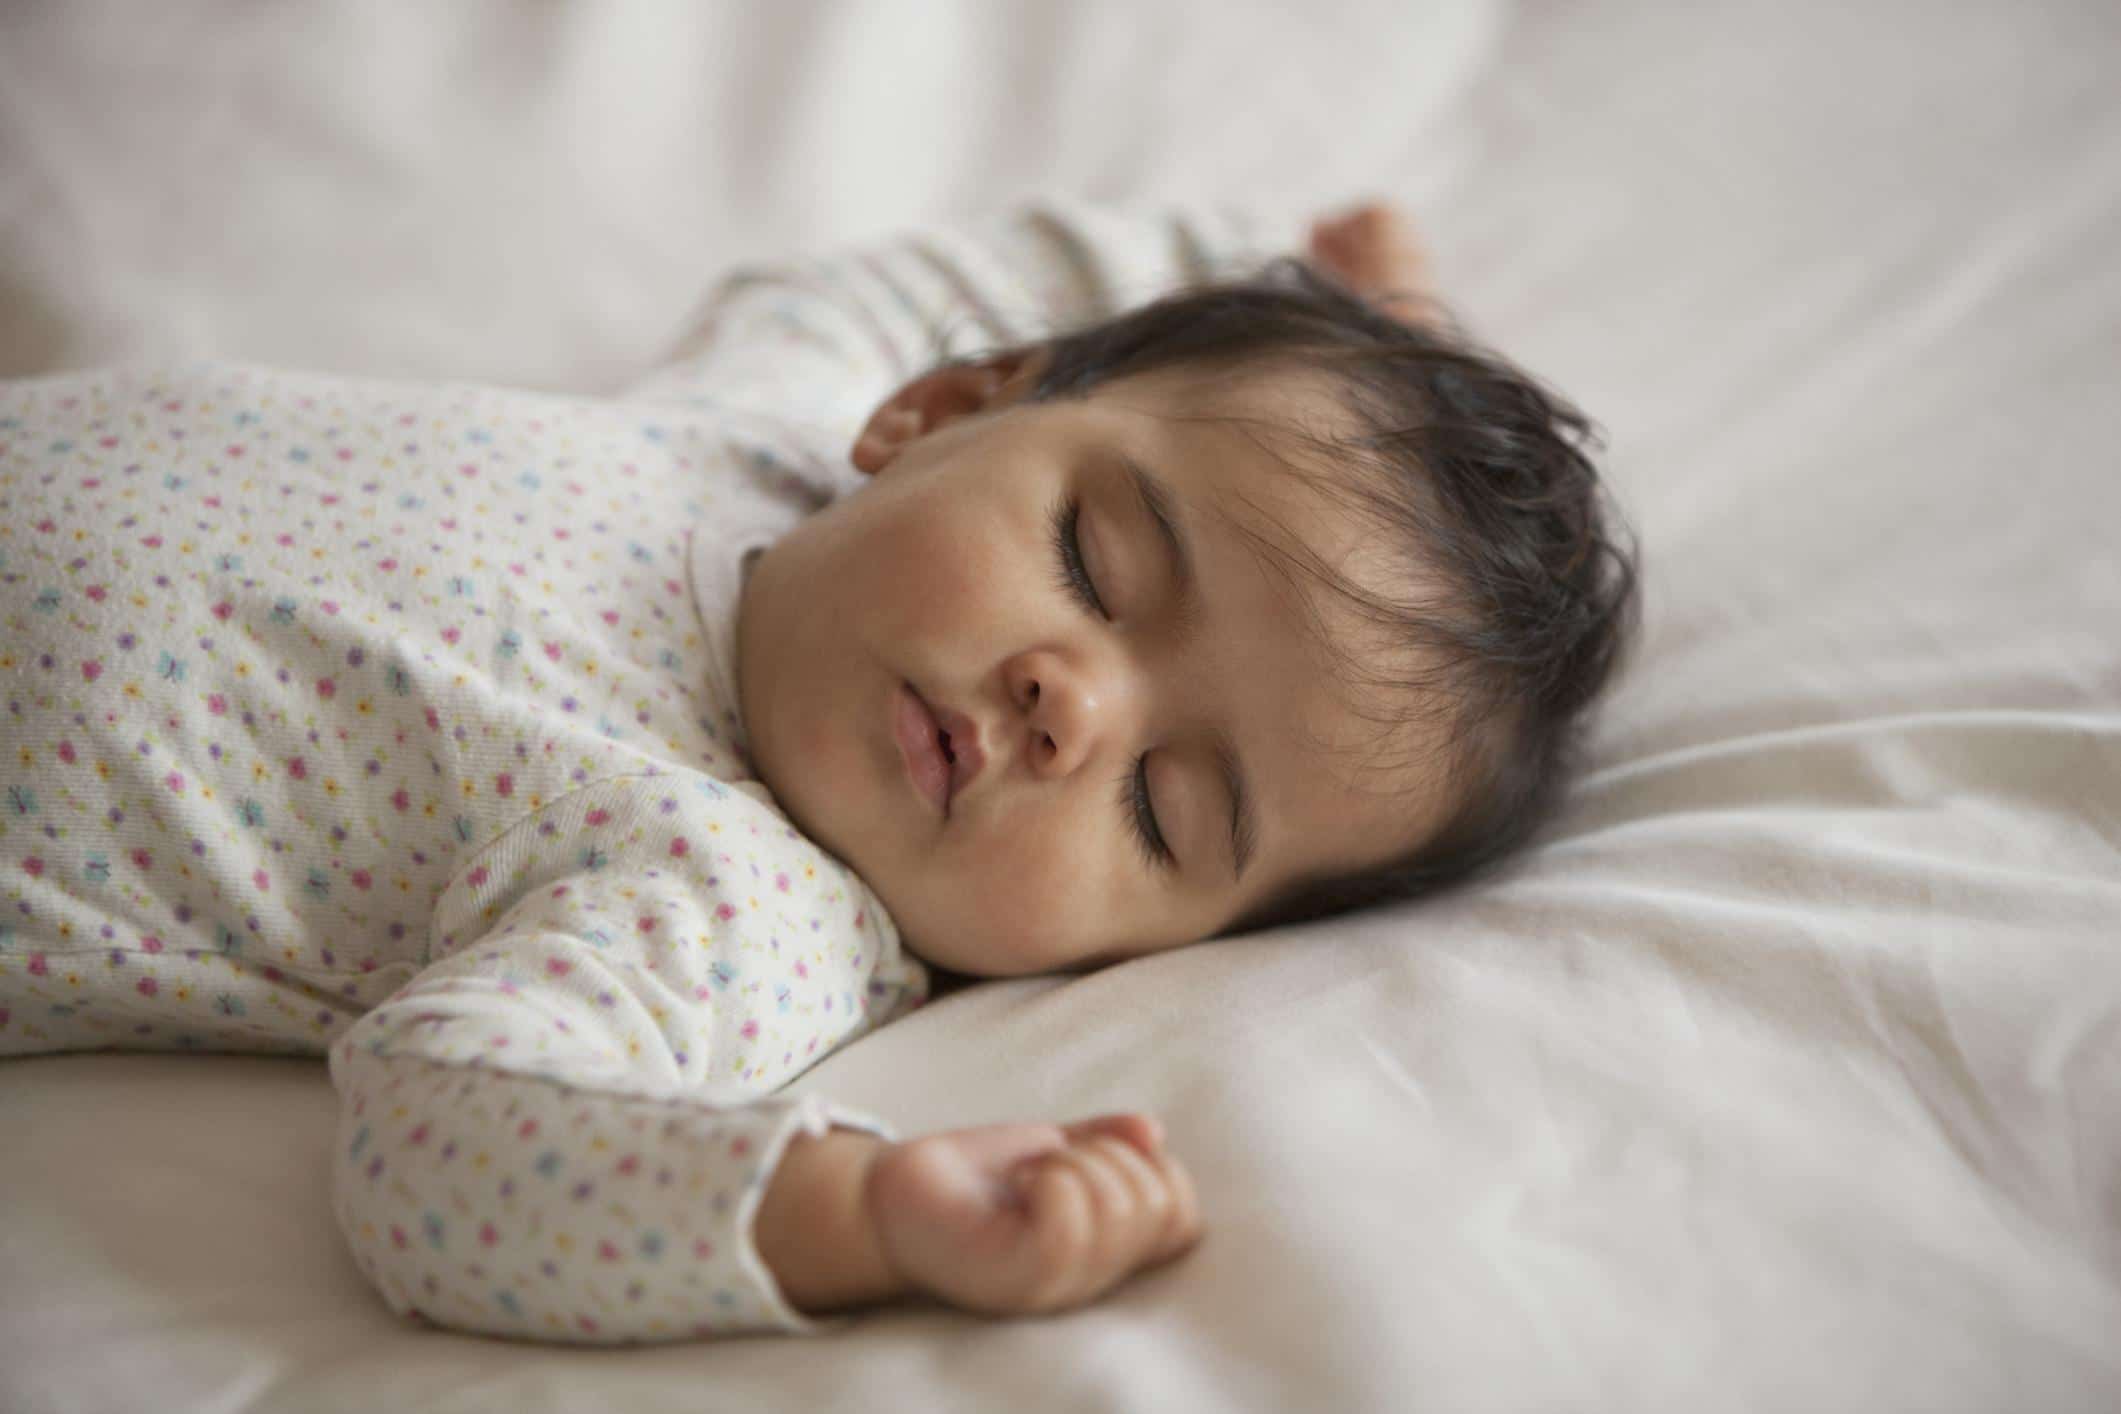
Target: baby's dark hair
<point x="1482" y="476"/>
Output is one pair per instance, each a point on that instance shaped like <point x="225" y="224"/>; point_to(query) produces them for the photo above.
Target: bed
<point x="1783" y="1074"/>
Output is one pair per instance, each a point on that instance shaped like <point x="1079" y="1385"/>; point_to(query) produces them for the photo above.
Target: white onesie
<point x="398" y="723"/>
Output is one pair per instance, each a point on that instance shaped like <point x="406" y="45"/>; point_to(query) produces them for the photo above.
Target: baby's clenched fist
<point x="1013" y="1219"/>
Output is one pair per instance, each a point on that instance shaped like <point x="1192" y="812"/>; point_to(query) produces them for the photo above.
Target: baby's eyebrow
<point x="1162" y="506"/>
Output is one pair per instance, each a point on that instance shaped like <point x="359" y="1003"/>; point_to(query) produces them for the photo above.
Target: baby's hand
<point x="1011" y="1219"/>
<point x="1373" y="250"/>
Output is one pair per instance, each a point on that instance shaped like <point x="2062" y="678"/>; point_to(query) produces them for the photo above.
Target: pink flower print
<point x="434" y="720"/>
<point x="702" y="1249"/>
<point x="146" y="986"/>
<point x="780" y="881"/>
<point x="33" y="866"/>
<point x="598" y="817"/>
<point x="36" y="965"/>
<point x="401" y="799"/>
<point x="142" y="860"/>
<point x="476" y="877"/>
<point x="217" y="704"/>
<point x="398" y="1239"/>
<point x="504" y="784"/>
<point x="362" y="879"/>
<point x="557" y="967"/>
<point x="725" y="913"/>
<point x="223" y="609"/>
<point x="749" y="1031"/>
<point x="152" y="542"/>
<point x="91" y="670"/>
<point x="646" y="923"/>
<point x="605" y="1251"/>
<point x="96" y="593"/>
<point x="451" y="635"/>
<point x="66" y="752"/>
<point x="175" y="781"/>
<point x="526" y="1129"/>
<point x="298" y="768"/>
<point x="418" y="1135"/>
<point x="679" y="849"/>
<point x="262" y="880"/>
<point x="327" y="689"/>
<point x="387" y="565"/>
<point x="611" y="616"/>
<point x="630" y="1165"/>
<point x="151" y="943"/>
<point x="552" y="651"/>
<point x="487" y="1235"/>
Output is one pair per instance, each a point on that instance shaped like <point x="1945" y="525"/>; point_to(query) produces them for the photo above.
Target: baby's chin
<point x="961" y="949"/>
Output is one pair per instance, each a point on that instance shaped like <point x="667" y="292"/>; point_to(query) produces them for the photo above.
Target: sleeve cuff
<point x="813" y="1117"/>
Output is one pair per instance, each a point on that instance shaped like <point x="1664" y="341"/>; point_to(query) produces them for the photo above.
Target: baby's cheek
<point x="1039" y="897"/>
<point x="943" y="571"/>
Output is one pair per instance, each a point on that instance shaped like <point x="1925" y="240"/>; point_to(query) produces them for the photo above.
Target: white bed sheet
<point x="1785" y="1075"/>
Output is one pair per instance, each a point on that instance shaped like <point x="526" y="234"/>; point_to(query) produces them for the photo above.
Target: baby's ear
<point x="939" y="397"/>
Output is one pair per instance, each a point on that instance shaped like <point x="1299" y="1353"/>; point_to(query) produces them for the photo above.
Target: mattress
<point x="1783" y="1072"/>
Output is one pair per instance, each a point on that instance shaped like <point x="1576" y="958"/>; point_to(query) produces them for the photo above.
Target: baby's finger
<point x="1062" y="1211"/>
<point x="1144" y="1132"/>
<point x="1151" y="1199"/>
<point x="1182" y="1229"/>
<point x="1114" y="1208"/>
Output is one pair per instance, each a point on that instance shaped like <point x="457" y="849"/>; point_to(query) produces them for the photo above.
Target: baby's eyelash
<point x="1074" y="578"/>
<point x="1134" y="785"/>
<point x="1134" y="802"/>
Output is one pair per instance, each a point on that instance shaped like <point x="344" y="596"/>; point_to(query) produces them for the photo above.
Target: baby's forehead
<point x="1272" y="393"/>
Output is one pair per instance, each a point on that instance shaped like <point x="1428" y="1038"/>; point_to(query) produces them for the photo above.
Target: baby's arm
<point x="1373" y="250"/>
<point x="818" y="342"/>
<point x="560" y="1128"/>
<point x="564" y="1128"/>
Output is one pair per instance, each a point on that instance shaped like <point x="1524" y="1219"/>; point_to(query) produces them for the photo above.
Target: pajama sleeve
<point x="560" y="1129"/>
<point x="818" y="343"/>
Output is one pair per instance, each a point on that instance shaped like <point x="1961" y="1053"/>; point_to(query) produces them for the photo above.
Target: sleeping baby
<point x="574" y="773"/>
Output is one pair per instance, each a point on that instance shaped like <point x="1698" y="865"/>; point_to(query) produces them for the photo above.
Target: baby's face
<point x="1113" y="716"/>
